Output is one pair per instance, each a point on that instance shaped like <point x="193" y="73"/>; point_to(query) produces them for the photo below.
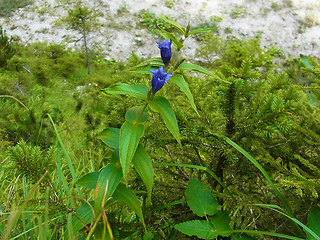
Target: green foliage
<point x="200" y="199"/>
<point x="8" y="6"/>
<point x="31" y="161"/>
<point x="238" y="106"/>
<point x="6" y="48"/>
<point x="81" y="19"/>
<point x="151" y="22"/>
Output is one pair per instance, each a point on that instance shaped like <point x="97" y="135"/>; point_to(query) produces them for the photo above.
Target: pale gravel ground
<point x="283" y="28"/>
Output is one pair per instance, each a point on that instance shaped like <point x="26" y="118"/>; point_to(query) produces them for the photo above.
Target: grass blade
<point x="66" y="155"/>
<point x="265" y="174"/>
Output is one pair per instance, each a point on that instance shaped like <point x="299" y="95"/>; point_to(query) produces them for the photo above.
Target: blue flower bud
<point x="159" y="77"/>
<point x="165" y="51"/>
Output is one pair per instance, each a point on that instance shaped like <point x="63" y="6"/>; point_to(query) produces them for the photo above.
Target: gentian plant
<point x="128" y="151"/>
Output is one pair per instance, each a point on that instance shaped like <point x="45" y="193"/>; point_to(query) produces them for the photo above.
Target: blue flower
<point x="165" y="51"/>
<point x="159" y="77"/>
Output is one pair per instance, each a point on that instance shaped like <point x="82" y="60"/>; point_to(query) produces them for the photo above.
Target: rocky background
<point x="291" y="25"/>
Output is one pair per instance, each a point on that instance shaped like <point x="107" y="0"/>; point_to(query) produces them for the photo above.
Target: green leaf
<point x="305" y="60"/>
<point x="174" y="24"/>
<point x="161" y="105"/>
<point x="296" y="221"/>
<point x="314" y="223"/>
<point x="89" y="180"/>
<point x="200" y="200"/>
<point x="146" y="66"/>
<point x="85" y="213"/>
<point x="145" y="70"/>
<point x="221" y="222"/>
<point x="65" y="153"/>
<point x="168" y="35"/>
<point x="199" y="168"/>
<point x="200" y="228"/>
<point x="202" y="30"/>
<point x="148" y="236"/>
<point x="138" y="91"/>
<point x="157" y="62"/>
<point x="240" y="236"/>
<point x="110" y="136"/>
<point x="194" y="67"/>
<point x="125" y="196"/>
<point x="261" y="169"/>
<point x="183" y="85"/>
<point x="133" y="113"/>
<point x="130" y="135"/>
<point x="108" y="181"/>
<point x="143" y="165"/>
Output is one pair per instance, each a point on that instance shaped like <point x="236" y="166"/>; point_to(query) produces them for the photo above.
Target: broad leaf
<point x="127" y="197"/>
<point x="148" y="236"/>
<point x="143" y="165"/>
<point x="138" y="91"/>
<point x="161" y="105"/>
<point x="314" y="223"/>
<point x="174" y="24"/>
<point x="133" y="113"/>
<point x="221" y="223"/>
<point x="110" y="136"/>
<point x="183" y="85"/>
<point x="89" y="180"/>
<point x="305" y="60"/>
<point x="85" y="214"/>
<point x="200" y="228"/>
<point x="200" y="200"/>
<point x="202" y="30"/>
<point x="108" y="181"/>
<point x="130" y="135"/>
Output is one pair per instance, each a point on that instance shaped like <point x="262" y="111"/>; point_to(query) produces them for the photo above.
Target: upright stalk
<point x="87" y="50"/>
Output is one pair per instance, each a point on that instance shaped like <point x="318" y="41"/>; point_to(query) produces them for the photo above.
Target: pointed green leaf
<point x="108" y="181"/>
<point x="174" y="24"/>
<point x="133" y="113"/>
<point x="305" y="60"/>
<point x="168" y="35"/>
<point x="130" y="135"/>
<point x="85" y="214"/>
<point x="200" y="200"/>
<point x="89" y="180"/>
<point x="200" y="228"/>
<point x="127" y="197"/>
<point x="146" y="66"/>
<point x="221" y="223"/>
<point x="161" y="105"/>
<point x="138" y="91"/>
<point x="150" y="62"/>
<point x="145" y="69"/>
<point x="183" y="85"/>
<point x="143" y="165"/>
<point x="202" y="30"/>
<point x="194" y="67"/>
<point x="265" y="174"/>
<point x="110" y="136"/>
<point x="313" y="223"/>
<point x="148" y="236"/>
